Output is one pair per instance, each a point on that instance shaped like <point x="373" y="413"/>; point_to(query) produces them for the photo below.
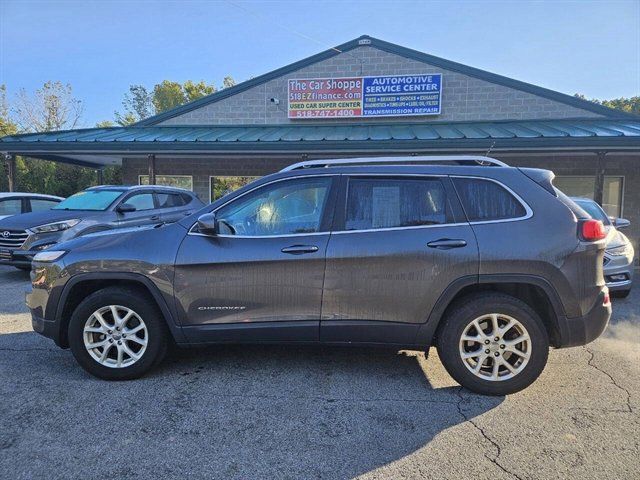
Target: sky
<point x="100" y="48"/>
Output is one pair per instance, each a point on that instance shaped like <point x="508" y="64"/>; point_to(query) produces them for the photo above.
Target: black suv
<point x="490" y="264"/>
<point x="92" y="210"/>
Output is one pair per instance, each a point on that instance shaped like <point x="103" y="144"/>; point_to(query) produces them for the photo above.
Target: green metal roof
<point x="578" y="134"/>
<point x="389" y="47"/>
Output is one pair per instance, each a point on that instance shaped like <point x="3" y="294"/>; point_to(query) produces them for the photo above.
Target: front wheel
<point x="493" y="344"/>
<point x="117" y="334"/>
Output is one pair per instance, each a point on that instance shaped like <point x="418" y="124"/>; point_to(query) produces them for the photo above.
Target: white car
<point x="15" y="203"/>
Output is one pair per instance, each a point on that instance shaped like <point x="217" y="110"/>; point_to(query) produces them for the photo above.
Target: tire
<point x="620" y="293"/>
<point x="481" y="307"/>
<point x="148" y="345"/>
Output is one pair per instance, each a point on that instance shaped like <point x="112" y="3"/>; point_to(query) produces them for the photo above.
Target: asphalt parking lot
<point x="275" y="412"/>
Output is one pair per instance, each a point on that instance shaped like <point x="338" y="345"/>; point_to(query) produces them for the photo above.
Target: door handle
<point x="155" y="217"/>
<point x="186" y="214"/>
<point x="447" y="243"/>
<point x="299" y="249"/>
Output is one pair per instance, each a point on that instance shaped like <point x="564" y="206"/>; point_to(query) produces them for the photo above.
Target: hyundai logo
<point x="6" y="234"/>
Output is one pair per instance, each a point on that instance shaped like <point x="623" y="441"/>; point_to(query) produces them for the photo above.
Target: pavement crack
<point x="495" y="444"/>
<point x="629" y="408"/>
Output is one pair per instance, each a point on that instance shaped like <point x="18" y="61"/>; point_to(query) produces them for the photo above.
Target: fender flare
<point x="427" y="330"/>
<point x="169" y="315"/>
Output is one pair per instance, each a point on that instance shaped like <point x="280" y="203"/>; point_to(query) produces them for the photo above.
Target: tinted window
<point x="39" y="204"/>
<point x="169" y="200"/>
<point x="89" y="200"/>
<point x="10" y="206"/>
<point x="486" y="200"/>
<point x="142" y="201"/>
<point x="293" y="206"/>
<point x="390" y="202"/>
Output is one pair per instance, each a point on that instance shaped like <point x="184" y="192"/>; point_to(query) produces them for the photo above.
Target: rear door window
<point x="484" y="200"/>
<point x="170" y="200"/>
<point x="375" y="203"/>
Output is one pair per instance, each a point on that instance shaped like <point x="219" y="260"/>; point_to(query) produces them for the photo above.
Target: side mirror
<point x="207" y="224"/>
<point x="125" y="208"/>
<point x="621" y="223"/>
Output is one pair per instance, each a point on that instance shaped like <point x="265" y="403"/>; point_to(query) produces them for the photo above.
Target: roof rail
<point x="457" y="159"/>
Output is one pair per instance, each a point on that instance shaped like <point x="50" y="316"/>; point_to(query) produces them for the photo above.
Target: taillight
<point x="593" y="230"/>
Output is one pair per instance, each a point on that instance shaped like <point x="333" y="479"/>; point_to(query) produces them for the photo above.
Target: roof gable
<point x="397" y="50"/>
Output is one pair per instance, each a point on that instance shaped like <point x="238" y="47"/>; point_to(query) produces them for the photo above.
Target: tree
<point x="138" y="105"/>
<point x="52" y="107"/>
<point x="105" y="124"/>
<point x="7" y="127"/>
<point x="228" y="82"/>
<point x="629" y="105"/>
<point x="169" y="94"/>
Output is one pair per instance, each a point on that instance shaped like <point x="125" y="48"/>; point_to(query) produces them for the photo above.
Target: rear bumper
<point x="582" y="330"/>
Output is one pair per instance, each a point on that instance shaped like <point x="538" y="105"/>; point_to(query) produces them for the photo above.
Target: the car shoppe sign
<point x="387" y="96"/>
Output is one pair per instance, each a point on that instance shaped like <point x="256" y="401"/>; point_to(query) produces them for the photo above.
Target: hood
<point x="29" y="220"/>
<point x="616" y="238"/>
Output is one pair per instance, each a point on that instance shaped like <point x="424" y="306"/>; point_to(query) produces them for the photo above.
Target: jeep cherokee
<point x="489" y="263"/>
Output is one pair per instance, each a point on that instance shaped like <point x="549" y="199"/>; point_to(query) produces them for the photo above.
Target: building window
<point x="585" y="186"/>
<point x="221" y="185"/>
<point x="179" y="181"/>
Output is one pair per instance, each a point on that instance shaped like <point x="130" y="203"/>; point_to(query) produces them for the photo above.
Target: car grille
<point x="12" y="238"/>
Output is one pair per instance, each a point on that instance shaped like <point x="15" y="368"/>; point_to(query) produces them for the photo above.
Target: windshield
<point x="593" y="209"/>
<point x="96" y="200"/>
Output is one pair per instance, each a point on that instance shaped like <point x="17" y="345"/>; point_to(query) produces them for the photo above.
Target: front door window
<point x="282" y="208"/>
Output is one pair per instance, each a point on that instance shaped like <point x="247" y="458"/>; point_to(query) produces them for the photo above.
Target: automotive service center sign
<point x="386" y="96"/>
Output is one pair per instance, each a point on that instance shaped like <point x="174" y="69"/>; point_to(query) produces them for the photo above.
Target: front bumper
<point x="582" y="330"/>
<point x="618" y="271"/>
<point x="17" y="258"/>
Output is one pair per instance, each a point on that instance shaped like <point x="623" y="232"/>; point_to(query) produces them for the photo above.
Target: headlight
<point x="55" y="227"/>
<point x="49" y="255"/>
<point x="619" y="251"/>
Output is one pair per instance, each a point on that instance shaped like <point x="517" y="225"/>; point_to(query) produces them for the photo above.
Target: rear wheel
<point x="493" y="344"/>
<point x="117" y="334"/>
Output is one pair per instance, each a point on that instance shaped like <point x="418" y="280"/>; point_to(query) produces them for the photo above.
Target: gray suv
<point x="92" y="210"/>
<point x="490" y="264"/>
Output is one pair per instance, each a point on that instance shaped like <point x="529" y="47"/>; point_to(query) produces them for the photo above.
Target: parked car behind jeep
<point x="92" y="210"/>
<point x="490" y="264"/>
<point x="619" y="252"/>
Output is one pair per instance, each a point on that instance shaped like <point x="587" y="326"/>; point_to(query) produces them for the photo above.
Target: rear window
<point x="484" y="200"/>
<point x="392" y="202"/>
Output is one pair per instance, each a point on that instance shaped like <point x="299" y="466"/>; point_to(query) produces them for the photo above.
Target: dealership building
<point x="366" y="97"/>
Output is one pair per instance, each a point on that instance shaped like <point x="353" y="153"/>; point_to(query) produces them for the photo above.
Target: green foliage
<point x="140" y="103"/>
<point x="629" y="105"/>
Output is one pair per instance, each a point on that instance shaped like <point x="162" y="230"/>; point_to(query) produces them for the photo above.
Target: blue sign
<point x="401" y="95"/>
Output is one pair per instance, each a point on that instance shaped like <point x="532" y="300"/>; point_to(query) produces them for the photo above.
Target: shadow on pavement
<point x="224" y="412"/>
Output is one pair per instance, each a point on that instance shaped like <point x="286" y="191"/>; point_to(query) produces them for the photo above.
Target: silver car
<point x="619" y="253"/>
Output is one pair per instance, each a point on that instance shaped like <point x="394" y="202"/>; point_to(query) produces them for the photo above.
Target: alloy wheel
<point x="115" y="336"/>
<point x="495" y="347"/>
